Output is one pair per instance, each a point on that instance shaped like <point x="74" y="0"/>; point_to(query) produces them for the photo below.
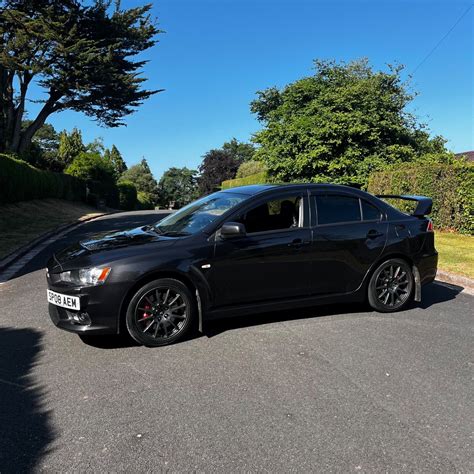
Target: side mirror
<point x="231" y="230"/>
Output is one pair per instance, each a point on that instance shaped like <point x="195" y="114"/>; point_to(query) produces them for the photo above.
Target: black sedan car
<point x="244" y="250"/>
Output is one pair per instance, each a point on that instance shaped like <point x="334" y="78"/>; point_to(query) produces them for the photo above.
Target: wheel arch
<point x="155" y="275"/>
<point x="401" y="256"/>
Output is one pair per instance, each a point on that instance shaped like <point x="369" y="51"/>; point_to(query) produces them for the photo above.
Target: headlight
<point x="85" y="276"/>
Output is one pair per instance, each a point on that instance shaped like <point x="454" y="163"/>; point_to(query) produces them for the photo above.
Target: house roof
<point x="468" y="154"/>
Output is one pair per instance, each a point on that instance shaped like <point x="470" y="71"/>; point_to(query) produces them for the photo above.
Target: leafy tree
<point x="141" y="176"/>
<point x="178" y="185"/>
<point x="80" y="53"/>
<point x="248" y="168"/>
<point x="70" y="146"/>
<point x="43" y="150"/>
<point x="217" y="166"/>
<point x="115" y="157"/>
<point x="339" y="125"/>
<point x="91" y="166"/>
<point x="239" y="150"/>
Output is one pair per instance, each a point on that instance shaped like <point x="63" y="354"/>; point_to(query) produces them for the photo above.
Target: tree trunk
<point x="48" y="108"/>
<point x="20" y="109"/>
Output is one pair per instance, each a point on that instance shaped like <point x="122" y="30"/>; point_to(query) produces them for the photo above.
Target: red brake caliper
<point x="145" y="314"/>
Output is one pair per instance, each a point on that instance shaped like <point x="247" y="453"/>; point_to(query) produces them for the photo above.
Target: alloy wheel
<point x="392" y="286"/>
<point x="161" y="313"/>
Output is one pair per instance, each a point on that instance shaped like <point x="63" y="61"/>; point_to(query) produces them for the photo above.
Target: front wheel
<point x="160" y="313"/>
<point x="391" y="286"/>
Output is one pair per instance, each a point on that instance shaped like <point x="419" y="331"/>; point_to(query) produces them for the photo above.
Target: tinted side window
<point x="333" y="209"/>
<point x="277" y="214"/>
<point x="370" y="212"/>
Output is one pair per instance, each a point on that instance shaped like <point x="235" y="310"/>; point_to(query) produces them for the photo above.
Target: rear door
<point x="349" y="235"/>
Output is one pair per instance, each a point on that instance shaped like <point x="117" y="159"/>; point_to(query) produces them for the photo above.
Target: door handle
<point x="372" y="234"/>
<point x="298" y="243"/>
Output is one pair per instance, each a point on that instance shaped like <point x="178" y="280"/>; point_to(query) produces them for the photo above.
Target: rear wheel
<point x="160" y="313"/>
<point x="391" y="286"/>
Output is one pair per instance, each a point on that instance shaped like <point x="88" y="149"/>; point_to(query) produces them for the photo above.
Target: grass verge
<point x="456" y="253"/>
<point x="24" y="221"/>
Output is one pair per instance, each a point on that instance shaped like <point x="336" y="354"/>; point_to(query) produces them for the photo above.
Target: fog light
<point x="80" y="318"/>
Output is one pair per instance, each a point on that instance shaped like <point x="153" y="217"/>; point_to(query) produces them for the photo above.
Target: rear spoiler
<point x="423" y="206"/>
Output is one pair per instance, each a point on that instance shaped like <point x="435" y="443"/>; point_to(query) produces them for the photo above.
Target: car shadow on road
<point x="432" y="294"/>
<point x="26" y="431"/>
<point x="437" y="292"/>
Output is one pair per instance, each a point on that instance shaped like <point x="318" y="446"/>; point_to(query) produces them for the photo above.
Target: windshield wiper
<point x="175" y="233"/>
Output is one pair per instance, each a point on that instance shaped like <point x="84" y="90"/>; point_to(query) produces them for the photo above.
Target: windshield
<point x="197" y="215"/>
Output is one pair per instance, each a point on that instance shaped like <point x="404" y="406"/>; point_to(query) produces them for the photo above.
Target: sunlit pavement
<point x="325" y="389"/>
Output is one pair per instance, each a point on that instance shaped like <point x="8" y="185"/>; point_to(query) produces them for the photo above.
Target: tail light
<point x="429" y="227"/>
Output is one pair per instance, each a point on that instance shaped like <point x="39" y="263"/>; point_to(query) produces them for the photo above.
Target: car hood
<point x="109" y="245"/>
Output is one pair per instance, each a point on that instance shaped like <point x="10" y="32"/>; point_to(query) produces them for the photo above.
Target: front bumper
<point x="99" y="309"/>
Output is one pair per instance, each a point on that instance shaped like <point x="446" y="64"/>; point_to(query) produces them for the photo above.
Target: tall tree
<point x="43" y="150"/>
<point x="241" y="151"/>
<point x="80" y="53"/>
<point x="178" y="186"/>
<point x="115" y="157"/>
<point x="339" y="124"/>
<point x="216" y="166"/>
<point x="70" y="146"/>
<point x="142" y="177"/>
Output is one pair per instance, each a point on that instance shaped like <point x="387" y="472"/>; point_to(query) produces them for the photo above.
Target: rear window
<point x="333" y="209"/>
<point x="370" y="212"/>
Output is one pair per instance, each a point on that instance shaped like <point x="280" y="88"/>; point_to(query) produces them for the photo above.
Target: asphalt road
<point x="325" y="389"/>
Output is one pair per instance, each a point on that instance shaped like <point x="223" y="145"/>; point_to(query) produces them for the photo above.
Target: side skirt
<point x="255" y="308"/>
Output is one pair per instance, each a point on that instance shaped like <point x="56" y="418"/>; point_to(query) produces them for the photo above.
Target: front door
<point x="271" y="261"/>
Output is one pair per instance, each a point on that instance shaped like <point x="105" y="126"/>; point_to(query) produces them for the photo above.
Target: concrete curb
<point x="17" y="254"/>
<point x="454" y="279"/>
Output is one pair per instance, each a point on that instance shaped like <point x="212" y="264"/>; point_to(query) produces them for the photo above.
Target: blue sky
<point x="216" y="54"/>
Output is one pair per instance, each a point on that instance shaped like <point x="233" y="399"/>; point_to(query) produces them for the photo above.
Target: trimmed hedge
<point x="257" y="178"/>
<point x="450" y="186"/>
<point x="19" y="181"/>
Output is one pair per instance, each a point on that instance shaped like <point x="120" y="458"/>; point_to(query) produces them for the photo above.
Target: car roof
<point x="254" y="189"/>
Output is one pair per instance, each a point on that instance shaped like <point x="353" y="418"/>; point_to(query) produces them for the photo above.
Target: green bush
<point x="450" y="186"/>
<point x="20" y="181"/>
<point x="145" y="201"/>
<point x="249" y="168"/>
<point x="127" y="195"/>
<point x="258" y="178"/>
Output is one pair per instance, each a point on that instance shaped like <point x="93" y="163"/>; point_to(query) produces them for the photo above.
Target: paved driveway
<point x="325" y="389"/>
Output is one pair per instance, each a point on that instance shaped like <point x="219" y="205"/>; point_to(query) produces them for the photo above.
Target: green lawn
<point x="24" y="221"/>
<point x="456" y="253"/>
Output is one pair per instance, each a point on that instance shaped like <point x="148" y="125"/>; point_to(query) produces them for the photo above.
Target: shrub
<point x="20" y="181"/>
<point x="258" y="178"/>
<point x="91" y="166"/>
<point x="127" y="195"/>
<point x="249" y="168"/>
<point x="145" y="201"/>
<point x="450" y="186"/>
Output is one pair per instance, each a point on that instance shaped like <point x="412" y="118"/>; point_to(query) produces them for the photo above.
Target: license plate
<point x="65" y="301"/>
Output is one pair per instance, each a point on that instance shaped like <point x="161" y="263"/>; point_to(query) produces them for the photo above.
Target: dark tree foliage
<point x="216" y="166"/>
<point x="241" y="151"/>
<point x="178" y="186"/>
<point x="82" y="54"/>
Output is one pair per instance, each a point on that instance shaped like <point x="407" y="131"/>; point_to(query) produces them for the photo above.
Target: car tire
<point x="391" y="286"/>
<point x="162" y="312"/>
